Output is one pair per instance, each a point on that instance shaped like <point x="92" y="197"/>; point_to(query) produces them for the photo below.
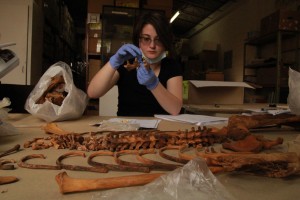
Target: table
<point x="40" y="183"/>
<point x="227" y="109"/>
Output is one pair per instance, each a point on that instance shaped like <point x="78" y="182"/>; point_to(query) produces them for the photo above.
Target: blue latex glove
<point x="126" y="52"/>
<point x="147" y="77"/>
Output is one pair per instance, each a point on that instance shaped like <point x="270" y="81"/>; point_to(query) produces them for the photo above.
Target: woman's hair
<point x="162" y="26"/>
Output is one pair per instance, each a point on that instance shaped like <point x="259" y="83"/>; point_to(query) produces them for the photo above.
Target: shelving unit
<point x="93" y="48"/>
<point x="60" y="42"/>
<point x="106" y="35"/>
<point x="117" y="29"/>
<point x="266" y="63"/>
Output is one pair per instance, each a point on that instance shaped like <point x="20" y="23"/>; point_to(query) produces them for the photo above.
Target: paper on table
<point x="279" y="111"/>
<point x="271" y="111"/>
<point x="199" y="120"/>
<point x="143" y="123"/>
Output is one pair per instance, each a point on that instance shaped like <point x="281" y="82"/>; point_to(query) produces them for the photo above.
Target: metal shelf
<point x="276" y="38"/>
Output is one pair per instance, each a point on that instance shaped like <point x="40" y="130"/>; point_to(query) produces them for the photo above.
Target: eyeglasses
<point x="147" y="41"/>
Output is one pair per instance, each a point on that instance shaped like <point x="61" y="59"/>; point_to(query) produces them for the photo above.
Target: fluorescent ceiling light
<point x="174" y="16"/>
<point x="119" y="12"/>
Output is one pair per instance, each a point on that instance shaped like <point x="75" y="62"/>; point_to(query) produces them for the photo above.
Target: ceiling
<point x="192" y="12"/>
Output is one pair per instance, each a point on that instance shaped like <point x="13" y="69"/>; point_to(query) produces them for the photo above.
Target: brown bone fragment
<point x="183" y="155"/>
<point x="67" y="184"/>
<point x="56" y="82"/>
<point x="114" y="167"/>
<point x="23" y="164"/>
<point x="275" y="165"/>
<point x="155" y="165"/>
<point x="52" y="128"/>
<point x="249" y="144"/>
<point x="252" y="143"/>
<point x="142" y="166"/>
<point x="77" y="167"/>
<point x="4" y="162"/>
<point x="172" y="158"/>
<point x="7" y="179"/>
<point x="15" y="148"/>
<point x="239" y="125"/>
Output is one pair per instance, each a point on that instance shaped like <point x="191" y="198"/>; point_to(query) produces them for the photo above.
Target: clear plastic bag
<point x="117" y="126"/>
<point x="73" y="104"/>
<point x="6" y="128"/>
<point x="294" y="92"/>
<point x="193" y="181"/>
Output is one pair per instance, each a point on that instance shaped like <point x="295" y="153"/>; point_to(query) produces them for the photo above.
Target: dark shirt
<point x="135" y="99"/>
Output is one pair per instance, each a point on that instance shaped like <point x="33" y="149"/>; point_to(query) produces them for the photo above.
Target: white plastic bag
<point x="6" y="129"/>
<point x="73" y="104"/>
<point x="294" y="92"/>
<point x="194" y="181"/>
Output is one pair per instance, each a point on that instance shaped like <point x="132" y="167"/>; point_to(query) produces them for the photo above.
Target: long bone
<point x="67" y="184"/>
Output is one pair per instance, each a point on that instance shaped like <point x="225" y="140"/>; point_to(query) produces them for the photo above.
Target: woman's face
<point x="150" y="43"/>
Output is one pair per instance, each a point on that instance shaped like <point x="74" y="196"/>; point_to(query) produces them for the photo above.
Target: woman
<point x="143" y="91"/>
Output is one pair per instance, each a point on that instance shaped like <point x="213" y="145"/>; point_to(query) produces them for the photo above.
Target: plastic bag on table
<point x="107" y="125"/>
<point x="193" y="181"/>
<point x="6" y="129"/>
<point x="73" y="104"/>
<point x="294" y="92"/>
<point x="294" y="146"/>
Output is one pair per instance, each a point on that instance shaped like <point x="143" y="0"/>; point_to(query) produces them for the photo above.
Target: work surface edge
<point x="40" y="183"/>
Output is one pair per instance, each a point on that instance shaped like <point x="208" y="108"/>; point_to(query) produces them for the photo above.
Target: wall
<point x="230" y="31"/>
<point x="20" y="24"/>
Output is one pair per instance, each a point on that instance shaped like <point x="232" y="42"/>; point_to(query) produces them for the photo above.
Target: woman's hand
<point x="126" y="52"/>
<point x="147" y="77"/>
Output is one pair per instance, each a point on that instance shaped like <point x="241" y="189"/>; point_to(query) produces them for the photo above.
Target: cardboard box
<point x="94" y="45"/>
<point x="93" y="18"/>
<point x="95" y="62"/>
<point x="214" y="76"/>
<point x="280" y="20"/>
<point x="214" y="92"/>
<point x="94" y="66"/>
<point x="96" y="6"/>
<point x="94" y="33"/>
